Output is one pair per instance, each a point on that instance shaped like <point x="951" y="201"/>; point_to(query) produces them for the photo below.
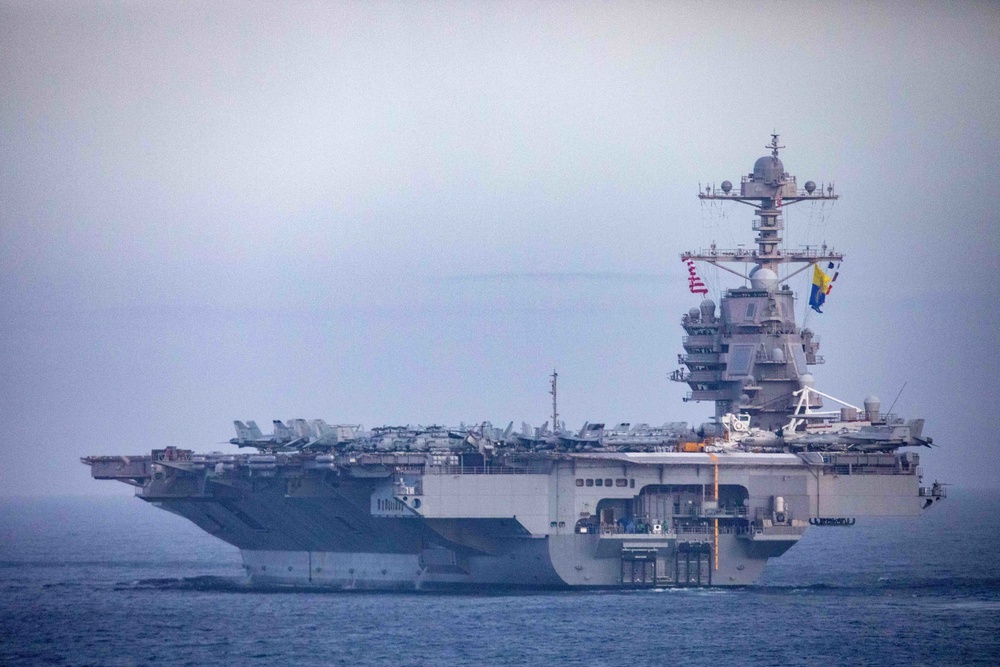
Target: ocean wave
<point x="930" y="584"/>
<point x="199" y="583"/>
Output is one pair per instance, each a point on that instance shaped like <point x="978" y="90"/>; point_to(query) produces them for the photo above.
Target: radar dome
<point x="727" y="186"/>
<point x="694" y="313"/>
<point x="810" y="186"/>
<point x="872" y="407"/>
<point x="708" y="310"/>
<point x="768" y="170"/>
<point x="778" y="355"/>
<point x="807" y="380"/>
<point x="762" y="278"/>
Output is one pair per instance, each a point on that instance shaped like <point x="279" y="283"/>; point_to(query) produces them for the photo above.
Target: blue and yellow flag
<point x="820" y="288"/>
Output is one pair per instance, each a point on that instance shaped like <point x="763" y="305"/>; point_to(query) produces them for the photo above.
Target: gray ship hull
<point x="668" y="519"/>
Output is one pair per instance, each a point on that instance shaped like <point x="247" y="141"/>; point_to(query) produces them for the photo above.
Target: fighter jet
<point x="590" y="435"/>
<point x="249" y="435"/>
<point x="534" y="437"/>
<point x="283" y="437"/>
<point x="327" y="436"/>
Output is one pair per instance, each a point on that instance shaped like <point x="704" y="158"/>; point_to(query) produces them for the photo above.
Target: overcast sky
<point x="412" y="212"/>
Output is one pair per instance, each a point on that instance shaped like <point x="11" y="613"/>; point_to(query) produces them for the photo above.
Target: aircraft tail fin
<point x="254" y="431"/>
<point x="301" y="428"/>
<point x="281" y="431"/>
<point x="242" y="432"/>
<point x="322" y="428"/>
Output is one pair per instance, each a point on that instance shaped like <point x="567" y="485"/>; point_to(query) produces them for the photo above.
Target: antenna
<point x="555" y="413"/>
<point x="774" y="145"/>
<point x="897" y="397"/>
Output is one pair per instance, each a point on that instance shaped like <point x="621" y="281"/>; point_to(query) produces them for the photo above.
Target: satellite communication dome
<point x="708" y="310"/>
<point x="810" y="186"/>
<point x="694" y="313"/>
<point x="872" y="407"/>
<point x="807" y="380"/>
<point x="768" y="170"/>
<point x="761" y="278"/>
<point x="727" y="186"/>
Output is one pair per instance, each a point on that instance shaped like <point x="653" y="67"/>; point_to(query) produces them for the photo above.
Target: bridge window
<point x="621" y="482"/>
<point x="579" y="482"/>
<point x="600" y="482"/>
<point x="590" y="482"/>
<point x="608" y="482"/>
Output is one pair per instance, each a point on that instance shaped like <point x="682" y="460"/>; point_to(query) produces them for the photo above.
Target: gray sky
<point x="412" y="212"/>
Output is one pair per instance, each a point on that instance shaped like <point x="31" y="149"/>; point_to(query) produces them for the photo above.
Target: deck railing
<point x="482" y="470"/>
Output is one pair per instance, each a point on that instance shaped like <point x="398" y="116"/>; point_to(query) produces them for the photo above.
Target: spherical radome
<point x="762" y="278"/>
<point x="768" y="169"/>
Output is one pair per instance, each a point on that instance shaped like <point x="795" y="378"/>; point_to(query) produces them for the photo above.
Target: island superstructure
<point x="633" y="505"/>
<point x="753" y="357"/>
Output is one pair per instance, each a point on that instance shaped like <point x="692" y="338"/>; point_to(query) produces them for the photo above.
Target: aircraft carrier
<point x="630" y="505"/>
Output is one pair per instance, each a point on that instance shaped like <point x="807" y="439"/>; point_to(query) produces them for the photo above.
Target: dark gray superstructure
<point x="629" y="505"/>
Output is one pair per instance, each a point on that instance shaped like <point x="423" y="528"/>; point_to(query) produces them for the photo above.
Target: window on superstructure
<point x="739" y="360"/>
<point x="621" y="482"/>
<point x="608" y="482"/>
<point x="590" y="482"/>
<point x="579" y="482"/>
<point x="599" y="482"/>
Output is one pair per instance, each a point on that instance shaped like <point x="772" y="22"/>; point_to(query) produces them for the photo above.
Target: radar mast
<point x="752" y="357"/>
<point x="768" y="188"/>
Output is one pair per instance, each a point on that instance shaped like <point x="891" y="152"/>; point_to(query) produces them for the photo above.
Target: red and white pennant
<point x="695" y="283"/>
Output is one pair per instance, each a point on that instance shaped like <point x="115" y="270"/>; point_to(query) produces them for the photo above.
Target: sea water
<point x="114" y="581"/>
